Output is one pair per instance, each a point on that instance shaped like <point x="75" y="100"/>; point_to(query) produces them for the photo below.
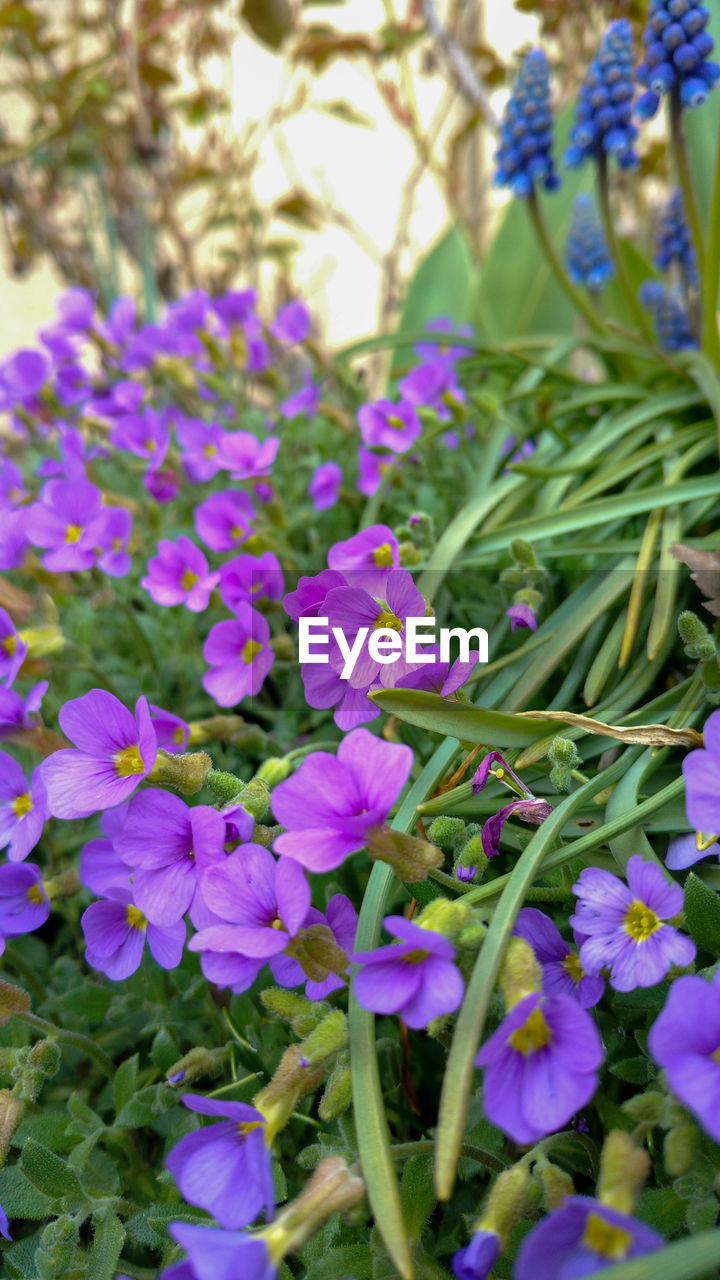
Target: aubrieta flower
<point x="701" y="771"/>
<point x="201" y="444"/>
<point x="580" y="1238"/>
<point x="22" y="376"/>
<point x="308" y="598"/>
<point x="225" y="1168"/>
<point x="112" y="532"/>
<point x="540" y="1066"/>
<point x="332" y="804"/>
<point x="304" y="401"/>
<point x="366" y="559"/>
<point x="291" y="324"/>
<point x="371" y="467"/>
<point x="685" y="1041"/>
<point x="324" y="485"/>
<point x="223" y="521"/>
<point x="101" y="868"/>
<point x="684" y="851"/>
<point x="179" y="574"/>
<point x="625" y="926"/>
<point x="144" y="434"/>
<point x="387" y="425"/>
<point x="171" y="731"/>
<point x="670" y="319"/>
<point x="12" y="649"/>
<point x="23" y="809"/>
<point x="524" y="157"/>
<point x="114" y="751"/>
<point x="214" y="1254"/>
<point x="433" y="385"/>
<point x="115" y="933"/>
<point x="351" y="609"/>
<point x="15" y="710"/>
<point x="65" y="521"/>
<point x="477" y="1259"/>
<point x="562" y="972"/>
<point x="526" y="806"/>
<point x="250" y="578"/>
<point x="24" y="904"/>
<point x="439" y="677"/>
<point x="587" y="260"/>
<point x="677" y="49"/>
<point x="245" y="457"/>
<point x="443" y="349"/>
<point x="521" y="615"/>
<point x="239" y="655"/>
<point x="673" y="240"/>
<point x="603" y="116"/>
<point x="415" y="979"/>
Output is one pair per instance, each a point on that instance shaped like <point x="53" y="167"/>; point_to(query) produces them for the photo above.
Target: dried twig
<point x="467" y="79"/>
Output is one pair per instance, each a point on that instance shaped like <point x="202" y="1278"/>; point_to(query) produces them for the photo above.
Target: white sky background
<point x="358" y="170"/>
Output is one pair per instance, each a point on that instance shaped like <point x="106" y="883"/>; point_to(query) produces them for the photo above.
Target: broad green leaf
<point x="458" y="719"/>
<point x="48" y="1172"/>
<point x="352" y="1261"/>
<point x="19" y="1198"/>
<point x="417" y="1193"/>
<point x="702" y="914"/>
<point x="441" y="286"/>
<point x="106" y="1248"/>
<point x="124" y="1082"/>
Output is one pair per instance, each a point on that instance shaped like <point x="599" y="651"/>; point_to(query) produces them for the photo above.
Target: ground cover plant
<point x="363" y="968"/>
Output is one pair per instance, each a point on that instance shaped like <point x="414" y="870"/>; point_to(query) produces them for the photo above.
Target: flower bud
<point x="195" y="1064"/>
<point x="564" y="751"/>
<point x="447" y="832"/>
<point x="506" y="1202"/>
<point x="695" y="636"/>
<point x="42" y="641"/>
<point x="12" y="1000"/>
<point x="275" y="769"/>
<point x="317" y="953"/>
<point x="409" y="857"/>
<point x="472" y="934"/>
<point x="521" y="974"/>
<point x="529" y="597"/>
<point x="302" y="1014"/>
<point x="327" y="1038"/>
<point x="337" y="1095"/>
<point x="623" y="1170"/>
<point x="556" y="1185"/>
<point x="409" y="555"/>
<point x="12" y="1110"/>
<point x="184" y="773"/>
<point x="332" y="1189"/>
<point x="445" y="916"/>
<point x="216" y="729"/>
<point x="277" y="1101"/>
<point x="46" y="1056"/>
<point x="523" y="554"/>
<point x="679" y="1149"/>
<point x="66" y="885"/>
<point x="31" y="1083"/>
<point x="255" y="797"/>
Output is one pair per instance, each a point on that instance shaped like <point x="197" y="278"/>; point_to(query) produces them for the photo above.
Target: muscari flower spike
<point x="524" y="156"/>
<point x="673" y="240"/>
<point x="670" y="319"/>
<point x="587" y="260"/>
<point x="603" y="116"/>
<point x="677" y="49"/>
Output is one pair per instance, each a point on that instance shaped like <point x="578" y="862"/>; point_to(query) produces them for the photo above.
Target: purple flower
<point x="324" y="485"/>
<point x="115" y="751"/>
<point x="239" y="824"/>
<point x="101" y="867"/>
<point x="581" y="1237"/>
<point x="261" y="900"/>
<point x="24" y="904"/>
<point x="179" y="574"/>
<point x="171" y="732"/>
<point x="304" y="401"/>
<point x="245" y="457"/>
<point x="308" y="598"/>
<point x="12" y="490"/>
<point x="683" y="851"/>
<point x="219" y="1255"/>
<point x="15" y="711"/>
<point x="331" y="804"/>
<point x="370" y="470"/>
<point x="144" y="434"/>
<point x="624" y="925"/>
<point x="251" y="578"/>
<point x="521" y="615"/>
<point x="433" y="385"/>
<point x="562" y="973"/>
<point x="4" y="1225"/>
<point x="341" y="918"/>
<point x="416" y="979"/>
<point x="440" y="677"/>
<point x="701" y="771"/>
<point x="239" y="656"/>
<point x="540" y="1066"/>
<point x="66" y="522"/>
<point x="22" y="376"/>
<point x="475" y="1261"/>
<point x="685" y="1040"/>
<point x="115" y="932"/>
<point x="223" y="520"/>
<point x="351" y="609"/>
<point x="528" y="807"/>
<point x="169" y="867"/>
<point x="23" y="809"/>
<point x="120" y="324"/>
<point x="75" y="309"/>
<point x="325" y="688"/>
<point x="112" y="533"/>
<point x="13" y="542"/>
<point x="386" y="425"/>
<point x="161" y="485"/>
<point x="235" y="306"/>
<point x="202" y="448"/>
<point x="365" y="559"/>
<point x="12" y="649"/>
<point x="436" y="351"/>
<point x="225" y="1168"/>
<point x="292" y="323"/>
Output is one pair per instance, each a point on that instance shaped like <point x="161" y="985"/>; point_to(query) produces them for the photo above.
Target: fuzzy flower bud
<point x="338" y="1090"/>
<point x="12" y="1111"/>
<point x="623" y="1170"/>
<point x="184" y="773"/>
<point x="521" y="974"/>
<point x="277" y="1101"/>
<point x="556" y="1185"/>
<point x="447" y="832"/>
<point x="695" y="636"/>
<point x="302" y="1014"/>
<point x="275" y="769"/>
<point x="445" y="916"/>
<point x="45" y="1056"/>
<point x="679" y="1149"/>
<point x="409" y="857"/>
<point x="332" y="1189"/>
<point x="506" y="1202"/>
<point x="327" y="1038"/>
<point x="195" y="1064"/>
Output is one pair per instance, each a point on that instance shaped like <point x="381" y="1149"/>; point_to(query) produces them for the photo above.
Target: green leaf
<point x="124" y="1082"/>
<point x="145" y="1106"/>
<point x="106" y="1248"/>
<point x="634" y="1070"/>
<point x="701" y="130"/>
<point x="88" y="1000"/>
<point x="352" y="1262"/>
<point x="684" y="1260"/>
<point x="459" y="719"/>
<point x="19" y="1259"/>
<point x="418" y="1194"/>
<point x="442" y="285"/>
<point x="48" y="1172"/>
<point x="702" y="914"/>
<point x="19" y="1198"/>
<point x="662" y="1209"/>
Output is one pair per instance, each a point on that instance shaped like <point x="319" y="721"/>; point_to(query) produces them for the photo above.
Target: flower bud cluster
<point x="677" y="49"/>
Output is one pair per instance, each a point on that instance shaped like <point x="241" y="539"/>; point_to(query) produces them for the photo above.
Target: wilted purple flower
<point x="23" y="809"/>
<point x="305" y="401"/>
<point x="580" y="1238"/>
<point x="202" y="448"/>
<point x="292" y="323"/>
<point x="528" y="807"/>
<point x="145" y="434"/>
<point x="239" y="655"/>
<point x="332" y="804"/>
<point x="24" y="904"/>
<point x="417" y="979"/>
<point x="475" y="1261"/>
<point x="15" y="711"/>
<point x="235" y="1150"/>
<point x="324" y="485"/>
<point x="262" y="900"/>
<point x="370" y="470"/>
<point x="12" y="649"/>
<point x="162" y="485"/>
<point x="521" y="615"/>
<point x="115" y="751"/>
<point x="169" y="867"/>
<point x="562" y="972"/>
<point x="366" y="559"/>
<point x="179" y="574"/>
<point x="115" y="931"/>
<point x="245" y="457"/>
<point x="308" y="598"/>
<point x="540" y="1066"/>
<point x="701" y="771"/>
<point x="66" y="522"/>
<point x="624" y="926"/>
<point x="112" y="533"/>
<point x="170" y="730"/>
<point x="684" y="1040"/>
<point x="250" y="578"/>
<point x="223" y="520"/>
<point x="219" y="1255"/>
<point x="387" y="425"/>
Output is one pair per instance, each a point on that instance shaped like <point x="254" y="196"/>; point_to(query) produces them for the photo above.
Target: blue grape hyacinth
<point x="524" y="156"/>
<point x="587" y="260"/>
<point x="603" y="116"/>
<point x="673" y="240"/>
<point x="670" y="319"/>
<point x="677" y="49"/>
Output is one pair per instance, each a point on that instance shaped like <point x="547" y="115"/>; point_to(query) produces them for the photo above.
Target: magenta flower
<point x="234" y="307"/>
<point x="24" y="904"/>
<point x="115" y="932"/>
<point x="239" y="656"/>
<point x="365" y="559"/>
<point x="521" y="615"/>
<point x="324" y="485"/>
<point x="292" y="323"/>
<point x="144" y="434"/>
<point x="12" y="649"/>
<point x="304" y="401"/>
<point x="250" y="578"/>
<point x="562" y="972"/>
<point x="624" y="926"/>
<point x="223" y="520"/>
<point x="386" y="425"/>
<point x="66" y="522"/>
<point x="439" y="677"/>
<point x="23" y="809"/>
<point x="370" y="468"/>
<point x="161" y="485"/>
<point x="15" y="711"/>
<point x="332" y="804"/>
<point x="308" y="598"/>
<point x="219" y="1255"/>
<point x="701" y="771"/>
<point x="225" y="1167"/>
<point x="684" y="1040"/>
<point x="75" y="309"/>
<point x="540" y="1066"/>
<point x="433" y="385"/>
<point x="202" y="448"/>
<point x="352" y="608"/>
<point x="245" y="457"/>
<point x="341" y="917"/>
<point x="170" y="730"/>
<point x="417" y="979"/>
<point x="261" y="900"/>
<point x="22" y="376"/>
<point x="113" y="531"/>
<point x="179" y="574"/>
<point x="580" y="1238"/>
<point x="114" y="752"/>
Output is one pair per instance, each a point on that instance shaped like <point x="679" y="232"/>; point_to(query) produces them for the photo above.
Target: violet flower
<point x="324" y="688"/>
<point x="324" y="485"/>
<point x="24" y="904"/>
<point x="433" y="385"/>
<point x="444" y="350"/>
<point x="701" y="771"/>
<point x="223" y="520"/>
<point x="439" y="677"/>
<point x="15" y="711"/>
<point x="366" y="559"/>
<point x="291" y="324"/>
<point x="477" y="1259"/>
<point x="13" y="542"/>
<point x="144" y="434"/>
<point x="66" y="522"/>
<point x="685" y="1041"/>
<point x="23" y="809"/>
<point x="332" y="804"/>
<point x="22" y="376"/>
<point x="12" y="649"/>
<point x="540" y="1066"/>
<point x="225" y="1167"/>
<point x="245" y="457"/>
<point x="250" y="578"/>
<point x="417" y="979"/>
<point x="12" y="489"/>
<point x="305" y="401"/>
<point x="235" y="306"/>
<point x="580" y="1238"/>
<point x="261" y="900"/>
<point x="170" y="730"/>
<point x="112" y="533"/>
<point x="386" y="425"/>
<point x="179" y="574"/>
<point x="683" y="852"/>
<point x="371" y="468"/>
<point x="162" y="486"/>
<point x="624" y="926"/>
<point x="308" y="598"/>
<point x="219" y="1255"/>
<point x="521" y="615"/>
<point x="115" y="932"/>
<point x="528" y="807"/>
<point x="239" y="655"/>
<point x="201" y="443"/>
<point x="562" y="972"/>
<point x="101" y="867"/>
<point x="352" y="608"/>
<point x="115" y="750"/>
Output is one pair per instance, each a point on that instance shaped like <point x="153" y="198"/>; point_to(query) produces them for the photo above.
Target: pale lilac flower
<point x="15" y="711"/>
<point x="101" y="867"/>
<point x="179" y="574"/>
<point x="74" y="309"/>
<point x="682" y="852"/>
<point x="387" y="425"/>
<point x="144" y="434"/>
<point x="223" y="521"/>
<point x="684" y="1041"/>
<point x="24" y="904"/>
<point x="115" y="933"/>
<point x="701" y="771"/>
<point x="562" y="972"/>
<point x="201" y="444"/>
<point x="239" y="655"/>
<point x="23" y="809"/>
<point x="66" y="522"/>
<point x="324" y="485"/>
<point x="245" y="457"/>
<point x="12" y="489"/>
<point x="581" y="1238"/>
<point x="292" y="323"/>
<point x="113" y="531"/>
<point x="12" y="649"/>
<point x="366" y="559"/>
<point x="250" y="578"/>
<point x="415" y="979"/>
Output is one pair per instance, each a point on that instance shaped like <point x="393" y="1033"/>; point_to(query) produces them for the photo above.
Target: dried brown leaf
<point x="648" y="735"/>
<point x="705" y="572"/>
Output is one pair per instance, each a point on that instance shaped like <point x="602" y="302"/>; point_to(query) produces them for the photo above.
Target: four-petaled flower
<point x="685" y="1041"/>
<point x="581" y="1237"/>
<point x="415" y="979"/>
<point x="225" y="1168"/>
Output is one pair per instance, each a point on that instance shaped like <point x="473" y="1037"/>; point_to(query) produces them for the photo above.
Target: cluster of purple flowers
<point x="603" y="115"/>
<point x="676" y="55"/>
<point x="587" y="259"/>
<point x="673" y="240"/>
<point x="672" y="323"/>
<point x="524" y="157"/>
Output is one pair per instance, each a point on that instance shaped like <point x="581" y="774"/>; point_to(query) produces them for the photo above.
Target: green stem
<point x="577" y="298"/>
<point x="711" y="275"/>
<point x="72" y="1038"/>
<point x="685" y="181"/>
<point x="26" y="972"/>
<point x="603" y="194"/>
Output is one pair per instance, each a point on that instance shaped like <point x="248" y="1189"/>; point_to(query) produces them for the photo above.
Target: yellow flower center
<point x="116" y="544"/>
<point x="128" y="761"/>
<point x="209" y="451"/>
<point x="603" y="1238"/>
<point x="177" y="736"/>
<point x="150" y="446"/>
<point x="640" y="922"/>
<point x="188" y="580"/>
<point x="236" y="532"/>
<point x="395" y="422"/>
<point x="248" y="651"/>
<point x="277" y="923"/>
<point x="135" y="918"/>
<point x="534" y="1034"/>
<point x="35" y="894"/>
<point x="415" y="957"/>
<point x="715" y="1055"/>
<point x="72" y="532"/>
<point x="382" y="555"/>
<point x="21" y="804"/>
<point x="9" y="644"/>
<point x="387" y="621"/>
<point x="572" y="966"/>
<point x="244" y="1127"/>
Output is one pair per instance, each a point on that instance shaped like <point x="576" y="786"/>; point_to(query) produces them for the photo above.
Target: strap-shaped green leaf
<point x="460" y="719"/>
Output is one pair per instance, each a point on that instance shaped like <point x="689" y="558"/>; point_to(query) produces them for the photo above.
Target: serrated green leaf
<point x="48" y="1172"/>
<point x="106" y="1248"/>
<point x="458" y="719"/>
<point x="125" y="1081"/>
<point x="702" y="914"/>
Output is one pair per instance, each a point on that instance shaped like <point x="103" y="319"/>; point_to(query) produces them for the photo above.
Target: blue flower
<point x="677" y="48"/>
<point x="671" y="320"/>
<point x="587" y="260"/>
<point x="673" y="240"/>
<point x="524" y="156"/>
<point x="603" y="116"/>
<point x="581" y="1237"/>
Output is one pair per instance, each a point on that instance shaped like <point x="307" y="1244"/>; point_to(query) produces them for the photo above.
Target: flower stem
<point x="73" y="1039"/>
<point x="685" y="182"/>
<point x="577" y="298"/>
<point x="711" y="274"/>
<point x="603" y="193"/>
